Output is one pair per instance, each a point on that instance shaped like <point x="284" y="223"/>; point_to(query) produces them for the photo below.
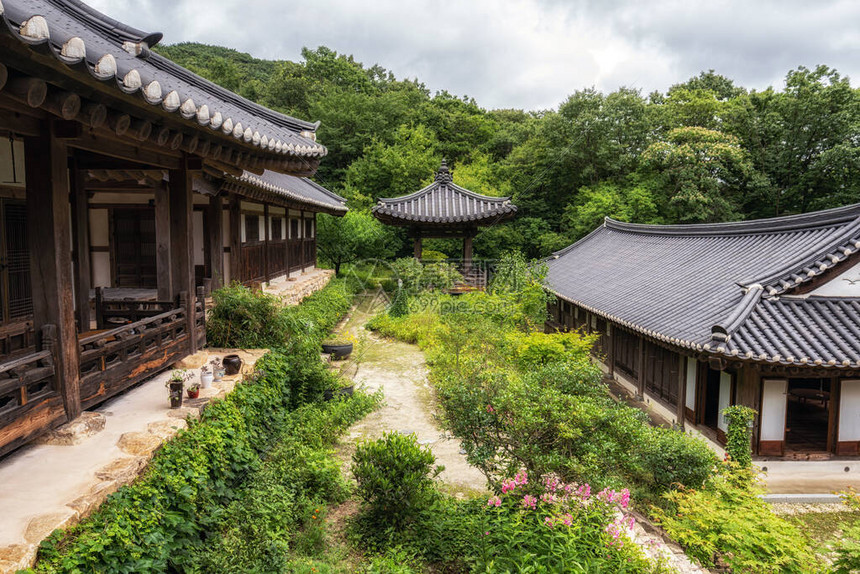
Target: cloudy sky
<point x="528" y="53"/>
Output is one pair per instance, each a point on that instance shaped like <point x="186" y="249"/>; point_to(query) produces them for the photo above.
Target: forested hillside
<point x="706" y="150"/>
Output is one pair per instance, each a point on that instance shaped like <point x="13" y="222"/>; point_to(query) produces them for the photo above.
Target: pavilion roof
<point x="744" y="290"/>
<point x="443" y="203"/>
<point x="111" y="63"/>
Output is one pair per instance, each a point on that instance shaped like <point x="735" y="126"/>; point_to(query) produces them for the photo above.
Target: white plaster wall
<point x="724" y="401"/>
<point x="849" y="411"/>
<point x="773" y="403"/>
<point x="690" y="401"/>
<point x="225" y="240"/>
<point x="261" y="222"/>
<point x="227" y="277"/>
<point x="99" y="237"/>
<point x="629" y="384"/>
<point x="197" y="237"/>
<point x="658" y="407"/>
<point x="279" y="211"/>
<point x="846" y="284"/>
<point x="6" y="171"/>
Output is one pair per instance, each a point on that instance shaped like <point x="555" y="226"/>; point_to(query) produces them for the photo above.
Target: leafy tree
<point x="635" y="203"/>
<point x="357" y="235"/>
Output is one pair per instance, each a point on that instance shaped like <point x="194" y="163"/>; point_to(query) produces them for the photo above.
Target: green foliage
<point x="164" y="520"/>
<point x="847" y="547"/>
<point x="351" y="238"/>
<point x="245" y="319"/>
<point x="727" y="523"/>
<point x="395" y="477"/>
<point x="738" y="445"/>
<point x="416" y="276"/>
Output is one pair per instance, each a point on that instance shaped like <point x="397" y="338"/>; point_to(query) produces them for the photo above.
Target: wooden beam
<point x="49" y="219"/>
<point x="104" y="143"/>
<point x="67" y="105"/>
<point x="164" y="275"/>
<point x="181" y="241"/>
<point x="31" y="91"/>
<point x="215" y="239"/>
<point x="4" y="76"/>
<point x="80" y="233"/>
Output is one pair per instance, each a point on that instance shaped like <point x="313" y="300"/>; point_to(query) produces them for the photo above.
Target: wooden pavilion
<point x="444" y="209"/>
<point x="116" y="173"/>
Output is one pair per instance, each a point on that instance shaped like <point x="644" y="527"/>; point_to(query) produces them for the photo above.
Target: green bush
<point x="395" y="477"/>
<point x="728" y="523"/>
<point x="244" y="319"/>
<point x="847" y="548"/>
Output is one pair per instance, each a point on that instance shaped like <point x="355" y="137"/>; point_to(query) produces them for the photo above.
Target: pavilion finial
<point x="444" y="174"/>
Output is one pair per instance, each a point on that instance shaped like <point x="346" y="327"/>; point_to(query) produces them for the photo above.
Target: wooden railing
<point x="252" y="262"/>
<point x="29" y="399"/>
<point x="277" y="257"/>
<point x="115" y="359"/>
<point x="309" y="252"/>
<point x="295" y="247"/>
<point x="120" y="312"/>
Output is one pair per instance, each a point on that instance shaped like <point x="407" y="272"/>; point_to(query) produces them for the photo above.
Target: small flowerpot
<point x="175" y="393"/>
<point x="337" y="350"/>
<point x="206" y="380"/>
<point x="218" y="374"/>
<point x="193" y="394"/>
<point x="232" y="365"/>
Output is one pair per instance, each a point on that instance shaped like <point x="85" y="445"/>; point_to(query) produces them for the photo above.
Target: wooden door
<point x="133" y="248"/>
<point x="774" y="401"/>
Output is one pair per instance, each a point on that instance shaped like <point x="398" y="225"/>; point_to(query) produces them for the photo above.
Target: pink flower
<point x="490" y="409"/>
<point x="548" y="521"/>
<point x="623" y="498"/>
<point x="547" y="498"/>
<point x="522" y="478"/>
<point x="567" y="520"/>
<point x="584" y="491"/>
<point x="494" y="501"/>
<point x="508" y="486"/>
<point x="529" y="501"/>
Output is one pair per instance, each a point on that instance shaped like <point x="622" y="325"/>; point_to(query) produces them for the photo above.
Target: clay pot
<point x="175" y="393"/>
<point x="232" y="365"/>
<point x="193" y="394"/>
<point x="337" y="350"/>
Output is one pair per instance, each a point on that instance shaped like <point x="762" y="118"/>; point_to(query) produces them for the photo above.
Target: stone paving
<point x="292" y="291"/>
<point x="70" y="472"/>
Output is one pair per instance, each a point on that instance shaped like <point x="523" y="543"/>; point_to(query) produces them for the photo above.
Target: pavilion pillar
<point x="215" y="240"/>
<point x="236" y="240"/>
<point x="467" y="253"/>
<point x="80" y="234"/>
<point x="49" y="220"/>
<point x="164" y="274"/>
<point x="181" y="244"/>
<point x="416" y="247"/>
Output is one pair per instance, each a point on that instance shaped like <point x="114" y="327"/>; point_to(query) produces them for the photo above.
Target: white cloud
<point x="527" y="53"/>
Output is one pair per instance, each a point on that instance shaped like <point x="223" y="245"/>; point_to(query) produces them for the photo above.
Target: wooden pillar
<point x="266" y="239"/>
<point x="164" y="271"/>
<point x="235" y="240"/>
<point x="181" y="242"/>
<point x="682" y="390"/>
<point x="417" y="247"/>
<point x="215" y="240"/>
<point x="304" y="233"/>
<point x="610" y="350"/>
<point x="81" y="235"/>
<point x="49" y="222"/>
<point x="467" y="253"/>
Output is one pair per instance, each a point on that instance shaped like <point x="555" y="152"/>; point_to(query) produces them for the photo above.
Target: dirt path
<point x="399" y="369"/>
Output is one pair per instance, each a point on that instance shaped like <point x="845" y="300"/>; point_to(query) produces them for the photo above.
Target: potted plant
<point x="206" y="377"/>
<point x="217" y="369"/>
<point x="193" y="390"/>
<point x="339" y="347"/>
<point x="175" y="384"/>
<point x="232" y="365"/>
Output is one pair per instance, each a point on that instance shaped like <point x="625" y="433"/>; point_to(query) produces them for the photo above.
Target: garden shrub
<point x="395" y="477"/>
<point x="847" y="548"/>
<point x="244" y="319"/>
<point x="729" y="524"/>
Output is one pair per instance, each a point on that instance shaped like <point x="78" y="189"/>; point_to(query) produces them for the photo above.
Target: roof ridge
<point x="824" y="218"/>
<point x="437" y="185"/>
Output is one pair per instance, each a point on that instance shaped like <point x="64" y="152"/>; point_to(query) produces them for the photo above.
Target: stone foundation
<point x="292" y="291"/>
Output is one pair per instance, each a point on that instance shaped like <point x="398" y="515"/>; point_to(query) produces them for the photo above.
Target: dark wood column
<point x="416" y="247"/>
<point x="235" y="240"/>
<point x="81" y="235"/>
<point x="467" y="252"/>
<point x="610" y="348"/>
<point x="266" y="237"/>
<point x="164" y="272"/>
<point x="49" y="221"/>
<point x="181" y="242"/>
<point x="215" y="240"/>
<point x="641" y="368"/>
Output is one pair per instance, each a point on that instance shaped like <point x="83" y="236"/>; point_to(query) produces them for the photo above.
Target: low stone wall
<point x="293" y="291"/>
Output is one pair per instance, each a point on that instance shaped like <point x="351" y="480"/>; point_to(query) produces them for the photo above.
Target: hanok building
<point x="694" y="318"/>
<point x="126" y="175"/>
<point x="444" y="209"/>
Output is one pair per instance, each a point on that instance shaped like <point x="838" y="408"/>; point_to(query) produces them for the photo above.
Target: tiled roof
<point x="443" y="202"/>
<point x="93" y="45"/>
<point x="722" y="288"/>
<point x="298" y="188"/>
